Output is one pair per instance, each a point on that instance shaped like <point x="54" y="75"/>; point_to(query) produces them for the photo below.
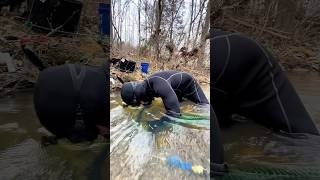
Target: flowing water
<point x="248" y="145"/>
<point x="138" y="147"/>
<point x="23" y="157"/>
<point x="140" y="144"/>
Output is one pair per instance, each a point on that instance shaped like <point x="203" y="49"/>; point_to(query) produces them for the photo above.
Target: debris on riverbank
<point x="18" y="72"/>
<point x="292" y="35"/>
<point x="117" y="77"/>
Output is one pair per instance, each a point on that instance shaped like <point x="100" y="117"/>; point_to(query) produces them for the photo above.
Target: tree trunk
<point x="191" y="20"/>
<point x="157" y="29"/>
<point x="172" y="21"/>
<point x="204" y="34"/>
<point x="139" y="27"/>
<point x="202" y="6"/>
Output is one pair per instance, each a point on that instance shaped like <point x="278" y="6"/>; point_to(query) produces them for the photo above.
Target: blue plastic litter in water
<point x="176" y="162"/>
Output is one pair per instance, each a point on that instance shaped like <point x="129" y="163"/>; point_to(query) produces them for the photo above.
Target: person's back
<point x="247" y="80"/>
<point x="182" y="83"/>
<point x="71" y="100"/>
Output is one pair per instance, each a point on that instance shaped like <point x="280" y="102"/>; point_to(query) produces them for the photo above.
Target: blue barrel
<point x="104" y="25"/>
<point x="144" y="67"/>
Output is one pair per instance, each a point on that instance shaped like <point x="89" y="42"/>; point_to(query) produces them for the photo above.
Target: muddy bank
<point x="117" y="77"/>
<point x="19" y="71"/>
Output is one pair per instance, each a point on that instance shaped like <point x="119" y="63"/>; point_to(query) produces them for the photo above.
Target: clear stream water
<point x="137" y="149"/>
<point x="251" y="145"/>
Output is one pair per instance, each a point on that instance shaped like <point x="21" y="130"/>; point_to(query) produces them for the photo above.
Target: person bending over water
<point x="170" y="86"/>
<point x="71" y="101"/>
<point x="247" y="80"/>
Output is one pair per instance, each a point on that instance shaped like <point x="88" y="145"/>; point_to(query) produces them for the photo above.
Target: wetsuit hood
<point x="133" y="93"/>
<point x="128" y="93"/>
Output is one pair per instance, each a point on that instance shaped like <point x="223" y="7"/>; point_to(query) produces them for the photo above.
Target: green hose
<point x="193" y="120"/>
<point x="192" y="116"/>
<point x="267" y="173"/>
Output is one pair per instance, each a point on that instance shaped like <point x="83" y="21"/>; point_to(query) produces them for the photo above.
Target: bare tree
<point x="157" y="30"/>
<point x="204" y="35"/>
<point x="191" y="21"/>
<point x="201" y="9"/>
<point x="139" y="24"/>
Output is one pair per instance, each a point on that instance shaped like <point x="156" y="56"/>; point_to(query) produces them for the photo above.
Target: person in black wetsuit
<point x="247" y="80"/>
<point x="171" y="86"/>
<point x="71" y="101"/>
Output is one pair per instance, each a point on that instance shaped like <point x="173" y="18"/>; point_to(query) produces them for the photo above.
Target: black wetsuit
<point x="171" y="86"/>
<point x="247" y="80"/>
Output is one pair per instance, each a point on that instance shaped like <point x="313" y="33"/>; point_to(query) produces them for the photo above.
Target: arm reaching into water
<point x="170" y="100"/>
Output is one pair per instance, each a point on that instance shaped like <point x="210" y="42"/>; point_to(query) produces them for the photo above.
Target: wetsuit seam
<point x="180" y="81"/>
<point x="174" y="75"/>
<point x="170" y="88"/>
<point x="275" y="87"/>
<point x="189" y="83"/>
<point x="164" y="80"/>
<point x="227" y="60"/>
<point x="190" y="93"/>
<point x="195" y="90"/>
<point x="148" y="82"/>
<point x="224" y="92"/>
<point x="280" y="102"/>
<point x="195" y="86"/>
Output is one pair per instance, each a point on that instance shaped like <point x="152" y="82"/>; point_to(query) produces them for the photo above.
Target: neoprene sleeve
<point x="170" y="100"/>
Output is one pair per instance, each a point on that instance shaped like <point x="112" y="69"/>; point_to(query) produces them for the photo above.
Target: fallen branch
<point x="259" y="28"/>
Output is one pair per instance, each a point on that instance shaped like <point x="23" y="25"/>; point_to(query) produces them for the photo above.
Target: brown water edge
<point x="23" y="157"/>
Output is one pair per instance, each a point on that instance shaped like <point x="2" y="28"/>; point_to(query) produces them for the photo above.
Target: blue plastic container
<point x="104" y="25"/>
<point x="144" y="67"/>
